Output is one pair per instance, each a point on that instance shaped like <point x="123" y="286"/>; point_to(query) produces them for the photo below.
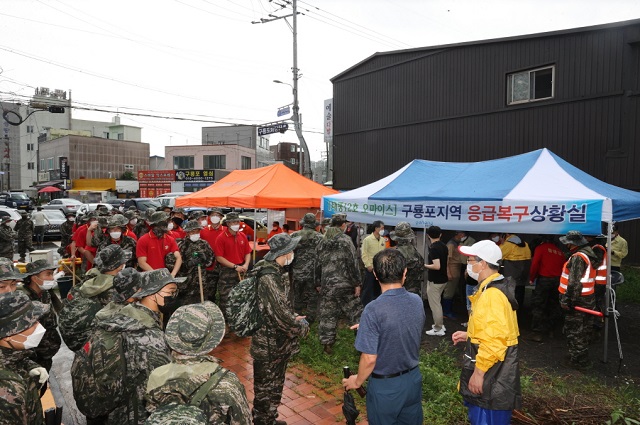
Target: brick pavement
<point x="303" y="401"/>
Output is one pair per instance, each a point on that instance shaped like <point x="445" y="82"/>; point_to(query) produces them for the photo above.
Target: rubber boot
<point x="447" y="309"/>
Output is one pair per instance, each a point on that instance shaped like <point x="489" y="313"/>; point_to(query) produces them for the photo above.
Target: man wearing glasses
<point x="490" y="378"/>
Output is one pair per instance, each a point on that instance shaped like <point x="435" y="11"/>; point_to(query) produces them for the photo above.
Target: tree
<point x="128" y="175"/>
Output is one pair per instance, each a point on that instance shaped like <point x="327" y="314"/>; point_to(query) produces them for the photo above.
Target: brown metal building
<point x="575" y="92"/>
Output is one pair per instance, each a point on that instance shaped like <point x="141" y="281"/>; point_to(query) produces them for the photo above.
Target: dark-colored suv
<point x="142" y="203"/>
<point x="17" y="200"/>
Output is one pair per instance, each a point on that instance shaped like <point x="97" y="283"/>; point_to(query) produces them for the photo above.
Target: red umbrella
<point x="49" y="189"/>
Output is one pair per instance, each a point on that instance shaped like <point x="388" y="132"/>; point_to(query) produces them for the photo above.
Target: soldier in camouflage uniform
<point x="7" y="236"/>
<point x="116" y="226"/>
<point x="192" y="333"/>
<point x="66" y="234"/>
<point x="340" y="281"/>
<point x="142" y="227"/>
<point x="210" y="233"/>
<point x="20" y="376"/>
<point x="24" y="229"/>
<point x="306" y="282"/>
<point x="9" y="276"/>
<point x="277" y="340"/>
<point x="577" y="276"/>
<point x="177" y="414"/>
<point x="146" y="349"/>
<point x="404" y="236"/>
<point x="37" y="286"/>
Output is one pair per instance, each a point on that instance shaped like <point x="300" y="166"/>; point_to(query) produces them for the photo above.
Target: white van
<point x="169" y="199"/>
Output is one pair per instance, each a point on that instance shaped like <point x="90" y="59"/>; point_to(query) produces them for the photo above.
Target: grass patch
<point x="548" y="397"/>
<point x="629" y="291"/>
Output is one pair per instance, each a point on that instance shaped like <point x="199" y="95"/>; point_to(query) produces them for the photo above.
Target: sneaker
<point x="433" y="332"/>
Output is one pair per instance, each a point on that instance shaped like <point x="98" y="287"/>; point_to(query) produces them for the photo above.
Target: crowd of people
<point x="151" y="305"/>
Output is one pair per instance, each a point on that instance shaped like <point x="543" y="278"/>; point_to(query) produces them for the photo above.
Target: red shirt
<point x="274" y="232"/>
<point x="232" y="247"/>
<point x="547" y="261"/>
<point x="210" y="235"/>
<point x="155" y="249"/>
<point x="248" y="231"/>
<point x="129" y="233"/>
<point x="80" y="238"/>
<point x="178" y="233"/>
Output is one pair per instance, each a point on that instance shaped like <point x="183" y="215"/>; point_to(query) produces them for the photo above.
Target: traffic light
<point x="56" y="109"/>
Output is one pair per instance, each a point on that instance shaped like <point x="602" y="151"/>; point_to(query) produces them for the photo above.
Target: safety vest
<point x="601" y="271"/>
<point x="588" y="279"/>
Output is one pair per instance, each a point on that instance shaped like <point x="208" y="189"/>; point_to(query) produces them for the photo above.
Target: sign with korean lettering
<point x="157" y="176"/>
<point x="484" y="216"/>
<point x="270" y="129"/>
<point x="64" y="167"/>
<point x="195" y="175"/>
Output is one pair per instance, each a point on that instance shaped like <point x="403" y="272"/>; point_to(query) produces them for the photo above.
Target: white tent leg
<point x="607" y="293"/>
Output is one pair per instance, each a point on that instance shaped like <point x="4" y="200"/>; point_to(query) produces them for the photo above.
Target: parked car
<point x="169" y="199"/>
<point x="56" y="218"/>
<point x="85" y="208"/>
<point x="141" y="203"/>
<point x="17" y="200"/>
<point x="116" y="203"/>
<point x="64" y="205"/>
<point x="9" y="212"/>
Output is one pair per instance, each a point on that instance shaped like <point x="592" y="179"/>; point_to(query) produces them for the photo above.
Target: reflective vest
<point x="588" y="279"/>
<point x="601" y="271"/>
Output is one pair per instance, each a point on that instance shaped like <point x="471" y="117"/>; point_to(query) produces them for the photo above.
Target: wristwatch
<point x="235" y="266"/>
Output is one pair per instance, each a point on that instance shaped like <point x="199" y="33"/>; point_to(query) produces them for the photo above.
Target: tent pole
<point x="255" y="235"/>
<point x="607" y="293"/>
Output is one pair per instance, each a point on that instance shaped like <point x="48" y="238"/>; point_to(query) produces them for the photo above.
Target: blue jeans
<point x="481" y="416"/>
<point x="395" y="400"/>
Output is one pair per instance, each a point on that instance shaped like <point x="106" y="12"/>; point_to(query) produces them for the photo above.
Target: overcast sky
<point x="204" y="59"/>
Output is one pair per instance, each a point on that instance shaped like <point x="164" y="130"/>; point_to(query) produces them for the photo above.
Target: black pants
<point x="370" y="288"/>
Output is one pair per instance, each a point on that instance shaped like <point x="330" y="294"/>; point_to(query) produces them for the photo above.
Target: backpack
<point x="243" y="308"/>
<point x="98" y="374"/>
<point x="76" y="318"/>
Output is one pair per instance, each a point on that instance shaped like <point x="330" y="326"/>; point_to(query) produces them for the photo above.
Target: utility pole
<point x="304" y="159"/>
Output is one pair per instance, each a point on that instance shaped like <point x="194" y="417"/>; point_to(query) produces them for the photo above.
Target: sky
<point x="198" y="63"/>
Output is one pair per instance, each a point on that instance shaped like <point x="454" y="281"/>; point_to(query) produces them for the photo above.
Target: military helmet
<point x="195" y="329"/>
<point x="18" y="313"/>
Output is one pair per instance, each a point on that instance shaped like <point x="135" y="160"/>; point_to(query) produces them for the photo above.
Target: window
<point x="30" y="147"/>
<point x="50" y="164"/>
<point x="293" y="148"/>
<point x="128" y="166"/>
<point x="531" y="85"/>
<point x="105" y="134"/>
<point x="120" y="136"/>
<point x="246" y="163"/>
<point x="29" y="129"/>
<point x="42" y="164"/>
<point x="293" y="161"/>
<point x="214" y="162"/>
<point x="183" y="162"/>
<point x="31" y="165"/>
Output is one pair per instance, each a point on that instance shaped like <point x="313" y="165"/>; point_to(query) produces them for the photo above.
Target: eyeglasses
<point x="472" y="261"/>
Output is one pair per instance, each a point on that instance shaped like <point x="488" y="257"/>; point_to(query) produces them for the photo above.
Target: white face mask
<point x="381" y="232"/>
<point x="34" y="339"/>
<point x="170" y="225"/>
<point x="133" y="221"/>
<point x="496" y="239"/>
<point x="11" y="224"/>
<point x="471" y="273"/>
<point x="115" y="235"/>
<point x="289" y="261"/>
<point x="47" y="285"/>
<point x="194" y="238"/>
<point x="204" y="223"/>
<point x="214" y="219"/>
<point x="235" y="227"/>
<point x="72" y="219"/>
<point x="360" y="231"/>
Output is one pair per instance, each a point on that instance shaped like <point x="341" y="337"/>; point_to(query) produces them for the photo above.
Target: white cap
<point x="486" y="250"/>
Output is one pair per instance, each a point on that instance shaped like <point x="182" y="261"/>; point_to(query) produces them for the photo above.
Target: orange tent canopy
<point x="272" y="187"/>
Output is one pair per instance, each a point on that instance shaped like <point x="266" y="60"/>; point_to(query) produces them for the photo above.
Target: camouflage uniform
<point x="177" y="414"/>
<point x="19" y="392"/>
<point x="145" y="350"/>
<point x="305" y="278"/>
<point x="338" y="262"/>
<point x="7" y="235"/>
<point x="66" y="234"/>
<point x="194" y="254"/>
<point x="578" y="326"/>
<point x="404" y="236"/>
<point x="51" y="341"/>
<point x="192" y="332"/>
<point x="24" y="230"/>
<point x="275" y="342"/>
<point x="141" y="227"/>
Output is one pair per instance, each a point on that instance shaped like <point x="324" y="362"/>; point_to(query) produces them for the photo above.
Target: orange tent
<point x="273" y="187"/>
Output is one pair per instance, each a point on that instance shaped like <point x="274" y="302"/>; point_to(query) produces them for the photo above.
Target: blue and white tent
<point x="536" y="192"/>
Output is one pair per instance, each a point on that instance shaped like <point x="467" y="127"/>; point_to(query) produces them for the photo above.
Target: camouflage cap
<point x="132" y="208"/>
<point x="117" y="220"/>
<point x="338" y="219"/>
<point x="280" y="244"/>
<point x="309" y="220"/>
<point x="158" y="217"/>
<point x="126" y="283"/>
<point x="402" y="231"/>
<point x="38" y="266"/>
<point x="177" y="414"/>
<point x="18" y="313"/>
<point x="154" y="281"/>
<point x="326" y="221"/>
<point x="574" y="237"/>
<point x="92" y="214"/>
<point x="70" y="214"/>
<point x="130" y="215"/>
<point x="192" y="225"/>
<point x="179" y="210"/>
<point x="216" y="211"/>
<point x="195" y="329"/>
<point x="195" y="215"/>
<point x="111" y="257"/>
<point x="232" y="216"/>
<point x="148" y="213"/>
<point x="8" y="271"/>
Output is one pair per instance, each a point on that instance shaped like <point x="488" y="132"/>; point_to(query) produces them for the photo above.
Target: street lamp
<point x="304" y="151"/>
